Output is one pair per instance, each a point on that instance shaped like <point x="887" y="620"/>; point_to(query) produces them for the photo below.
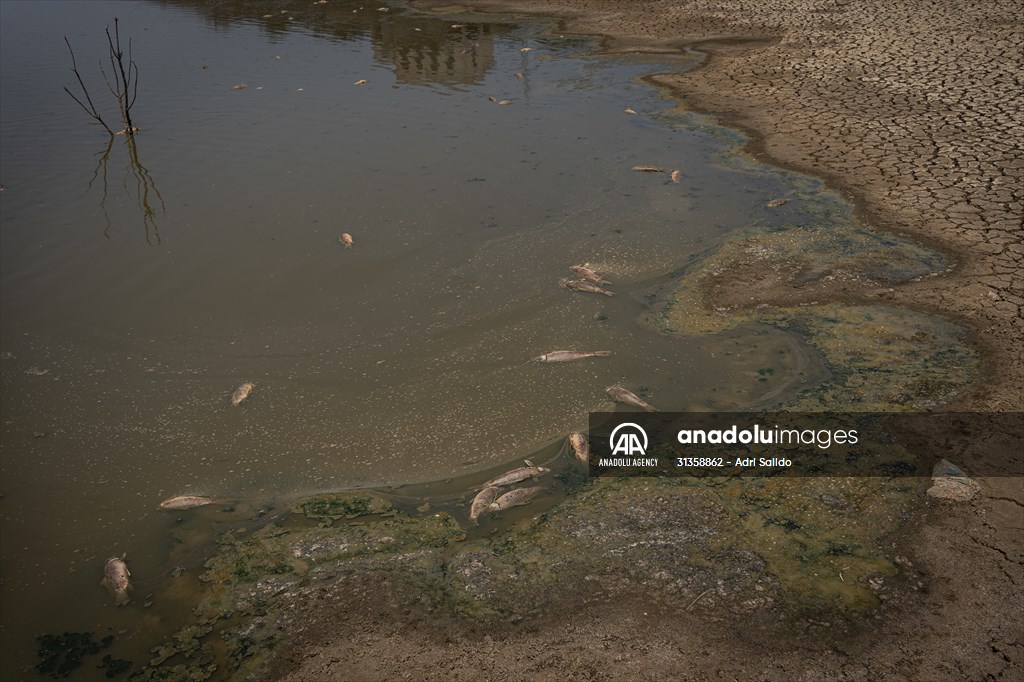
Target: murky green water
<point x="142" y="282"/>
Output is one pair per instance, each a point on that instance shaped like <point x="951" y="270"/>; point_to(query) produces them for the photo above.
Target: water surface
<point x="144" y="280"/>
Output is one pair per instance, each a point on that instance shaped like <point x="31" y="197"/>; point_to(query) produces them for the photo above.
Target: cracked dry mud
<point x="914" y="113"/>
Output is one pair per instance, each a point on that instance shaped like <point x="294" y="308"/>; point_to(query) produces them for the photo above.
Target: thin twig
<point x="698" y="598"/>
<point x="91" y="109"/>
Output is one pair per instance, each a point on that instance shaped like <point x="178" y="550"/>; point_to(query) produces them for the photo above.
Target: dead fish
<point x="581" y="446"/>
<point x="519" y="75"/>
<point x="566" y="355"/>
<point x="775" y="203"/>
<point x="514" y="498"/>
<point x="186" y="502"/>
<point x="584" y="285"/>
<point x="629" y="111"/>
<point x="622" y="395"/>
<point x="361" y="81"/>
<point x="517" y="475"/>
<point x="504" y="102"/>
<point x="648" y="169"/>
<point x="345" y="239"/>
<point x="676" y="176"/>
<point x="240" y="86"/>
<point x="241" y="393"/>
<point x="482" y="502"/>
<point x="115" y="579"/>
<point x="526" y="49"/>
<point x="586" y="273"/>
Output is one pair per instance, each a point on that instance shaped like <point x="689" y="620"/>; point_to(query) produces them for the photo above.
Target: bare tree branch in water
<point x="125" y="86"/>
<point x="123" y="90"/>
<point x="91" y="109"/>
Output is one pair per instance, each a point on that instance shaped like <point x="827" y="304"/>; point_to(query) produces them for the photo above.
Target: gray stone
<point x="949" y="482"/>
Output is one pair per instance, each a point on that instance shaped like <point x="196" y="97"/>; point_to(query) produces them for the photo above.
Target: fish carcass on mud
<point x="517" y="475"/>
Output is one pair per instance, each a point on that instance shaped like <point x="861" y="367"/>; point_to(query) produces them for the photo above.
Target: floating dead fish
<point x="526" y="49"/>
<point x="566" y="355"/>
<point x="586" y="273"/>
<point x="186" y="502"/>
<point x="584" y="285"/>
<point x="581" y="446"/>
<point x="676" y="176"/>
<point x="240" y="86"/>
<point x="482" y="502"/>
<point x="622" y="395"/>
<point x="519" y="75"/>
<point x="514" y="498"/>
<point x="345" y="239"/>
<point x="648" y="169"/>
<point x="775" y="203"/>
<point x="458" y="25"/>
<point x="115" y="579"/>
<point x="629" y="111"/>
<point x="517" y="475"/>
<point x="361" y="81"/>
<point x="241" y="393"/>
<point x="505" y="102"/>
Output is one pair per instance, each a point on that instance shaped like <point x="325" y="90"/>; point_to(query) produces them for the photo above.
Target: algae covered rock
<point x="342" y="505"/>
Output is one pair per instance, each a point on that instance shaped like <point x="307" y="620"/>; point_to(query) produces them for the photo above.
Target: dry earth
<point x="912" y="109"/>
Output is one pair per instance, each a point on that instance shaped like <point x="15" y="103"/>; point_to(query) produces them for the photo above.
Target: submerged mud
<point x="813" y="281"/>
<point x="764" y="550"/>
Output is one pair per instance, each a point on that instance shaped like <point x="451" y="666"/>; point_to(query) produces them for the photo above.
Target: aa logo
<point x="628" y="439"/>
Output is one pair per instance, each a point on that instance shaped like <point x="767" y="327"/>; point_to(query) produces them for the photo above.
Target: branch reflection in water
<point x="146" y="194"/>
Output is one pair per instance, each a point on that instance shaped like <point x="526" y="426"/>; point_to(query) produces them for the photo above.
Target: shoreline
<point x="982" y="291"/>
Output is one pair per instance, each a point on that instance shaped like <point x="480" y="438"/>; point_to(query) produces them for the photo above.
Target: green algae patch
<point x="249" y="580"/>
<point x="342" y="505"/>
<point x="778" y="550"/>
<point x="880" y="358"/>
<point x="790" y="265"/>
